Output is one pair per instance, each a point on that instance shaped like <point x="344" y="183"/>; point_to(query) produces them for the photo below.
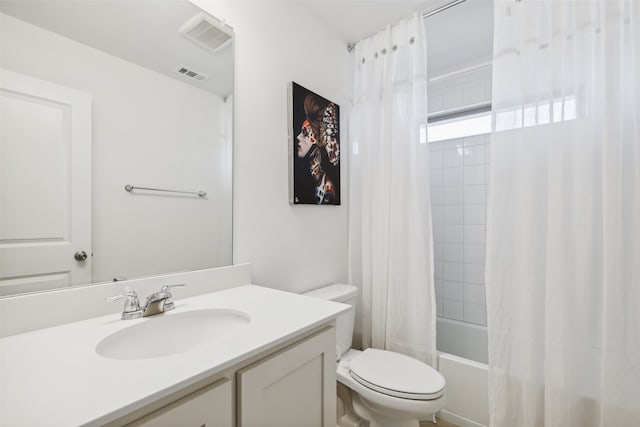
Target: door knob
<point x="80" y="256"/>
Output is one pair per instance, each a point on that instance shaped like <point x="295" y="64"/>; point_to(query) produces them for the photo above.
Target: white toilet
<point x="387" y="389"/>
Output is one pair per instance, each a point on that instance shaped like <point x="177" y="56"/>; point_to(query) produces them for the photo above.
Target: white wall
<point x="293" y="248"/>
<point x="148" y="130"/>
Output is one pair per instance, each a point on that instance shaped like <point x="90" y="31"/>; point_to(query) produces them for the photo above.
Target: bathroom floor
<point x="441" y="423"/>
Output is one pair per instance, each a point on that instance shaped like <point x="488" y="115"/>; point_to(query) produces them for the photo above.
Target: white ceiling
<point x="456" y="37"/>
<point x="459" y="37"/>
<point x="145" y="32"/>
<point x="354" y="20"/>
<point x="142" y="32"/>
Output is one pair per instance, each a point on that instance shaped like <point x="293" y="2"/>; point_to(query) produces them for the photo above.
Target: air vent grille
<point x="190" y="73"/>
<point x="206" y="31"/>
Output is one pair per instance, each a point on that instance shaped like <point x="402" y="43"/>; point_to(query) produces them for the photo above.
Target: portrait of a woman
<point x="316" y="149"/>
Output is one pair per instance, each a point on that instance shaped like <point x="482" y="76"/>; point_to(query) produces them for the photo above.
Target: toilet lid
<point x="397" y="375"/>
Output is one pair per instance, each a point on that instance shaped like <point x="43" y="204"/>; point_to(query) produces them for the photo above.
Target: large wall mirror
<point x="98" y="95"/>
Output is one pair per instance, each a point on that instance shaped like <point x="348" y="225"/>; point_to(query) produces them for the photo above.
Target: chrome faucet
<point x="131" y="305"/>
<point x="157" y="302"/>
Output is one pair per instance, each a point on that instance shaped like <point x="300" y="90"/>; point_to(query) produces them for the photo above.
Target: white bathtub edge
<point x="467" y="391"/>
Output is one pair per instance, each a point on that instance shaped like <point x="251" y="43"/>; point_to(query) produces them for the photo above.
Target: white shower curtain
<point x="389" y="212"/>
<point x="563" y="243"/>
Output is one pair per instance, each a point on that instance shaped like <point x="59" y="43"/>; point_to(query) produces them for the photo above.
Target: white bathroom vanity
<point x="273" y="363"/>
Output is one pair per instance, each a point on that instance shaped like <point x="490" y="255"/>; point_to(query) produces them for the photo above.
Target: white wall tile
<point x="474" y="140"/>
<point x="474" y="254"/>
<point x="436" y="177"/>
<point x="461" y="291"/>
<point x="453" y="157"/>
<point x="475" y="194"/>
<point x="453" y="252"/>
<point x="438" y="270"/>
<point x="474" y="313"/>
<point x="453" y="176"/>
<point x="474" y="273"/>
<point x="475" y="214"/>
<point x="453" y="233"/>
<point x="439" y="288"/>
<point x="453" y="310"/>
<point x="453" y="291"/>
<point x="453" y="195"/>
<point x="474" y="155"/>
<point x="436" y="159"/>
<point x="440" y="307"/>
<point x="436" y="146"/>
<point x="451" y="144"/>
<point x="438" y="232"/>
<point x="453" y="214"/>
<point x="475" y="233"/>
<point x="474" y="294"/>
<point x="474" y="174"/>
<point x="437" y="196"/>
<point x="438" y="251"/>
<point x="437" y="214"/>
<point x="453" y="271"/>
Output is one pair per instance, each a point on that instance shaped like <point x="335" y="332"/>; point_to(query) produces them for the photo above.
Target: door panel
<point x="45" y="182"/>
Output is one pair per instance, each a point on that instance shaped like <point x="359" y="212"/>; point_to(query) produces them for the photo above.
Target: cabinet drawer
<point x="211" y="406"/>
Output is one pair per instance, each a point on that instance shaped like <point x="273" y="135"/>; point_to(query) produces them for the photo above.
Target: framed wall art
<point x="314" y="148"/>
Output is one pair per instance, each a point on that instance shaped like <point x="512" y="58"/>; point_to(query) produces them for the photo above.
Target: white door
<point x="45" y="184"/>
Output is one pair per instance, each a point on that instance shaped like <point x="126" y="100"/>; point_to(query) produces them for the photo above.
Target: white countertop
<point x="54" y="377"/>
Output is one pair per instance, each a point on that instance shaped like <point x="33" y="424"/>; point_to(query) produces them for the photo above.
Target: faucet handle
<point x="130" y="295"/>
<point x="131" y="305"/>
<point x="169" y="304"/>
<point x="166" y="288"/>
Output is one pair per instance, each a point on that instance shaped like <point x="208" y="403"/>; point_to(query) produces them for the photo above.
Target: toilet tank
<point x="345" y="294"/>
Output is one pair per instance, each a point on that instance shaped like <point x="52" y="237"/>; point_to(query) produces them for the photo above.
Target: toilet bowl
<point x="386" y="389"/>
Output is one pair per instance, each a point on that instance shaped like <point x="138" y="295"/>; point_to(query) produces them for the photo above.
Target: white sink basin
<point x="171" y="333"/>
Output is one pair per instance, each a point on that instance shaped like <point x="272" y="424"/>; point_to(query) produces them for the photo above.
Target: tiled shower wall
<point x="458" y="172"/>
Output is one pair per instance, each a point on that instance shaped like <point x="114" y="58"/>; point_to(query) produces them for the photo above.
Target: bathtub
<point x="467" y="380"/>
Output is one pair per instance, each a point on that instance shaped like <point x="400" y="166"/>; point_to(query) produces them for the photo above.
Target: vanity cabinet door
<point x="292" y="388"/>
<point x="211" y="406"/>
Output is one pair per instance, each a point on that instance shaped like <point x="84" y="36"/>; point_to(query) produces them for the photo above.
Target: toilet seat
<point x="396" y="375"/>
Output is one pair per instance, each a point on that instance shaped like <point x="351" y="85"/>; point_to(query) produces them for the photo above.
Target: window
<point x="540" y="113"/>
<point x="458" y="126"/>
<point x="478" y="123"/>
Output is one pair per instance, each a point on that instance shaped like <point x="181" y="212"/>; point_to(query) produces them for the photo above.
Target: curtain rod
<point x="435" y="11"/>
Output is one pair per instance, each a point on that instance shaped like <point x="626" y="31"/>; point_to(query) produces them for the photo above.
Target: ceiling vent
<point x="206" y="31"/>
<point x="190" y="73"/>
